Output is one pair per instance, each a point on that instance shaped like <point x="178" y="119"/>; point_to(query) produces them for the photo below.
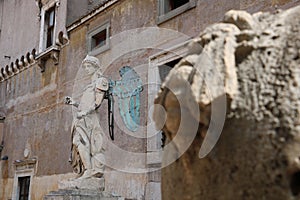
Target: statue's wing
<point x="128" y="90"/>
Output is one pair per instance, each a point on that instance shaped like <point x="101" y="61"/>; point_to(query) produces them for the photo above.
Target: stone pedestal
<point x="78" y="194"/>
<point x="95" y="184"/>
<point x="81" y="189"/>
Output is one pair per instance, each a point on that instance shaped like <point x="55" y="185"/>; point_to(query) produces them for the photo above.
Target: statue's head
<point x="91" y="64"/>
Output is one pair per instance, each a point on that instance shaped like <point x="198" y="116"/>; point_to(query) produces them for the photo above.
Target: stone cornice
<point x="93" y="13"/>
<point x="25" y="164"/>
<point x="18" y="65"/>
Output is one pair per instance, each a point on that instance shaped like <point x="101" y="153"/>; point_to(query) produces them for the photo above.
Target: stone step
<point x="80" y="195"/>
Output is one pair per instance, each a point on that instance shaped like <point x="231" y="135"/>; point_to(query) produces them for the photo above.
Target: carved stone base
<point x="81" y="189"/>
<point x="77" y="194"/>
<point x="96" y="184"/>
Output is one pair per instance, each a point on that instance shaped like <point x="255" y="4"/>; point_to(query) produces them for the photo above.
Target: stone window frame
<point x="49" y="26"/>
<point x="95" y="51"/>
<point x="162" y="16"/>
<point x="159" y="59"/>
<point x="18" y="174"/>
<point x="43" y="34"/>
<point x="51" y="52"/>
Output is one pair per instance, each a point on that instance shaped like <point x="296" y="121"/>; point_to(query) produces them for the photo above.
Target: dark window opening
<point x="173" y="4"/>
<point x="166" y="68"/>
<point x="99" y="39"/>
<point x="171" y="8"/>
<point x="24" y="183"/>
<point x="49" y="26"/>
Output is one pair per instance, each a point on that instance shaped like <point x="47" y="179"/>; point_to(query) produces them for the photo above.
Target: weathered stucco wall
<point x="79" y="8"/>
<point x="40" y="185"/>
<point x="251" y="62"/>
<point x="35" y="120"/>
<point x="19" y="32"/>
<point x="34" y="115"/>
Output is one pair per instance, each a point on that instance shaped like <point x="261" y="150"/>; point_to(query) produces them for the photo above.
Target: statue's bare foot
<point x="87" y="174"/>
<point x="91" y="173"/>
<point x="97" y="174"/>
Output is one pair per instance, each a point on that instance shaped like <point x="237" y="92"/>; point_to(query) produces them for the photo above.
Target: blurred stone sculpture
<point x="252" y="62"/>
<point x="87" y="138"/>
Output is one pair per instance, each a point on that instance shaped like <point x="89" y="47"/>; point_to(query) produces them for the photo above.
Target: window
<point x="24" y="172"/>
<point x="160" y="65"/>
<point x="48" y="48"/>
<point x="170" y="8"/>
<point x="49" y="26"/>
<point x="98" y="39"/>
<point x="166" y="68"/>
<point x="173" y="4"/>
<point x="23" y="187"/>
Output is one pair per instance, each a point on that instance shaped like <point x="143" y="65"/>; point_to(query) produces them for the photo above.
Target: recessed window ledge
<point x="173" y="13"/>
<point x="25" y="164"/>
<point x="50" y="53"/>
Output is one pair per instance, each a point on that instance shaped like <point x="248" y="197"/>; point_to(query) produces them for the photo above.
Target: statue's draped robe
<point x="87" y="130"/>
